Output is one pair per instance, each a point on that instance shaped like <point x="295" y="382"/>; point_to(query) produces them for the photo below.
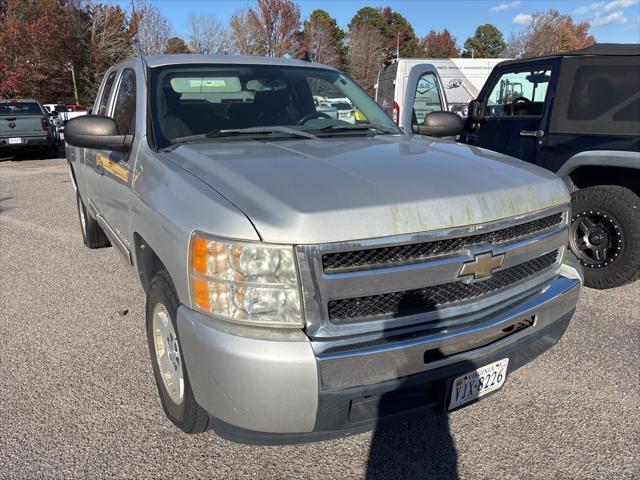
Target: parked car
<point x="25" y="126"/>
<point x="306" y="276"/>
<point x="61" y="113"/>
<point x="345" y="111"/>
<point x="578" y="115"/>
<point x="325" y="107"/>
<point x="58" y="110"/>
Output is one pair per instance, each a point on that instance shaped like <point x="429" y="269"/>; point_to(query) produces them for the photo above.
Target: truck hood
<point x="304" y="191"/>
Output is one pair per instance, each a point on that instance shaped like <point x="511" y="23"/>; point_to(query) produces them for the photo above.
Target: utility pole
<point x="398" y="46"/>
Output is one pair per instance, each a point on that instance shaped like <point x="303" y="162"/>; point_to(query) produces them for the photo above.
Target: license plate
<point x="473" y="385"/>
<point x="15" y="140"/>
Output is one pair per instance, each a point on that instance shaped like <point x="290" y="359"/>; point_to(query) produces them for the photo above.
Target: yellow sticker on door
<point x="114" y="167"/>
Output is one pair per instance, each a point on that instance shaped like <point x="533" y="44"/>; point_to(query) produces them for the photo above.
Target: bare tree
<point x="547" y="33"/>
<point x="207" y="35"/>
<point x="109" y="35"/>
<point x="277" y="23"/>
<point x="153" y="29"/>
<point x="244" y="35"/>
<point x="365" y="54"/>
<point x="319" y="40"/>
<point x="109" y="41"/>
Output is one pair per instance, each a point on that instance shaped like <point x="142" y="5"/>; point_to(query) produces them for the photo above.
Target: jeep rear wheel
<point x="605" y="235"/>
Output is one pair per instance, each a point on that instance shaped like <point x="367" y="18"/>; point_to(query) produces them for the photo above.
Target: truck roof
<point x="599" y="49"/>
<point x="185" y="59"/>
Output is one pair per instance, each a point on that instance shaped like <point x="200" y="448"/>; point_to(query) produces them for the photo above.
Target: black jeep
<point x="576" y="114"/>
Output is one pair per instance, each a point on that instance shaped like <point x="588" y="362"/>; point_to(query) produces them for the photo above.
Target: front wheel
<point x="605" y="235"/>
<point x="173" y="384"/>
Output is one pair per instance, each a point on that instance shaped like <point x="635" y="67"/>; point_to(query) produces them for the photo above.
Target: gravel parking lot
<point x="79" y="400"/>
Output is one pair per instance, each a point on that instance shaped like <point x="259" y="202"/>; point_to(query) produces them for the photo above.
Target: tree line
<point x="58" y="49"/>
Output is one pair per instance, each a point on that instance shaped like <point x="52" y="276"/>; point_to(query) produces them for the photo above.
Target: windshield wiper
<point x="361" y="126"/>
<point x="232" y="132"/>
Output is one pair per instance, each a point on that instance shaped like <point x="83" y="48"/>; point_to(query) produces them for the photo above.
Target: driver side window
<point x="519" y="93"/>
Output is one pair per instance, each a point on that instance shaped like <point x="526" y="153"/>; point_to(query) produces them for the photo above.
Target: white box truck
<point x="423" y="85"/>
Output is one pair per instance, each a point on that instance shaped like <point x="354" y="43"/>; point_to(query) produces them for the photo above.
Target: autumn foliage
<point x="46" y="44"/>
<point x="42" y="41"/>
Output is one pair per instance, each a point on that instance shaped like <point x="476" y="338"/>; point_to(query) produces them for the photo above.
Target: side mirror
<point x="98" y="132"/>
<point x="441" y="124"/>
<point x="476" y="110"/>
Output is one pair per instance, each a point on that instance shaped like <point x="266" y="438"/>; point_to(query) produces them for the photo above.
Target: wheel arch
<point x="147" y="261"/>
<point x="603" y="167"/>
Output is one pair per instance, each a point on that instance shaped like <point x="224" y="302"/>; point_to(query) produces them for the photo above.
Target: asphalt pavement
<point x="78" y="399"/>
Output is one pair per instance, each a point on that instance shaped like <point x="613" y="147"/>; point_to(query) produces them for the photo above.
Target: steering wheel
<point x="312" y="115"/>
<point x="520" y="102"/>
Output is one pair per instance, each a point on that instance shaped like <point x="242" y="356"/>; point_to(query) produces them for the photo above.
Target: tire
<point x="177" y="397"/>
<point x="605" y="235"/>
<point x="92" y="234"/>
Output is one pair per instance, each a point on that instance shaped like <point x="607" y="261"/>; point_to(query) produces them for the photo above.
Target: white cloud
<point x="601" y="14"/>
<point x="588" y="8"/>
<point x="503" y="7"/>
<point x="616" y="4"/>
<point x="522" y="19"/>
<point x="600" y="19"/>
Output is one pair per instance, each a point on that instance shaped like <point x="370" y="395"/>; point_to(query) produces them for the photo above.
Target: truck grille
<point x="416" y="252"/>
<point x="349" y="310"/>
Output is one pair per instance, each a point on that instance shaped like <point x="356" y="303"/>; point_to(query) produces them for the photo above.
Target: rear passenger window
<point x="124" y="112"/>
<point x="106" y="93"/>
<point x="598" y="91"/>
<point x="598" y="95"/>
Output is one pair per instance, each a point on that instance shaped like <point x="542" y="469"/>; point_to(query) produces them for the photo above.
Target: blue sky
<point x="611" y="20"/>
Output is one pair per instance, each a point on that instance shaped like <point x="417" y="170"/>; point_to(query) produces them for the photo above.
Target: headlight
<point x="245" y="282"/>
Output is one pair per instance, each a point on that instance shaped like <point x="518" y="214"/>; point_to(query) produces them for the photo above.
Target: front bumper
<point x="261" y="387"/>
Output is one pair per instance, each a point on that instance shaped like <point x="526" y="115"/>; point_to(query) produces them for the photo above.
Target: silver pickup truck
<point x="307" y="276"/>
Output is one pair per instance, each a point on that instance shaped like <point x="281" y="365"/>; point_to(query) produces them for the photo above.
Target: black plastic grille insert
<point x="416" y="252"/>
<point x="348" y="310"/>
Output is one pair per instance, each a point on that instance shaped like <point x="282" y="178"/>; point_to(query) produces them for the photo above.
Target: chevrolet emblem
<point x="482" y="265"/>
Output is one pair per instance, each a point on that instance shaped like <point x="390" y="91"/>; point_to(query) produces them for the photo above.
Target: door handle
<point x="532" y="133"/>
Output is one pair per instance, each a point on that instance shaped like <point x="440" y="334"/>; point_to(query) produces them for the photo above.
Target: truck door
<point x="515" y="109"/>
<point x="85" y="157"/>
<point x="423" y="95"/>
<point x="113" y="169"/>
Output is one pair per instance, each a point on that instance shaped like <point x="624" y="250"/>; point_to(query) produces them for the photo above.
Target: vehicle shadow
<point x="419" y="445"/>
<point x="412" y="438"/>
<point x="33" y="155"/>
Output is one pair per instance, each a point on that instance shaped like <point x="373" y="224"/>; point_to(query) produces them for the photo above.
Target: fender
<point x="600" y="158"/>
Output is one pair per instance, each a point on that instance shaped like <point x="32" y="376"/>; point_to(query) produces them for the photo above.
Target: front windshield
<point x="193" y="100"/>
